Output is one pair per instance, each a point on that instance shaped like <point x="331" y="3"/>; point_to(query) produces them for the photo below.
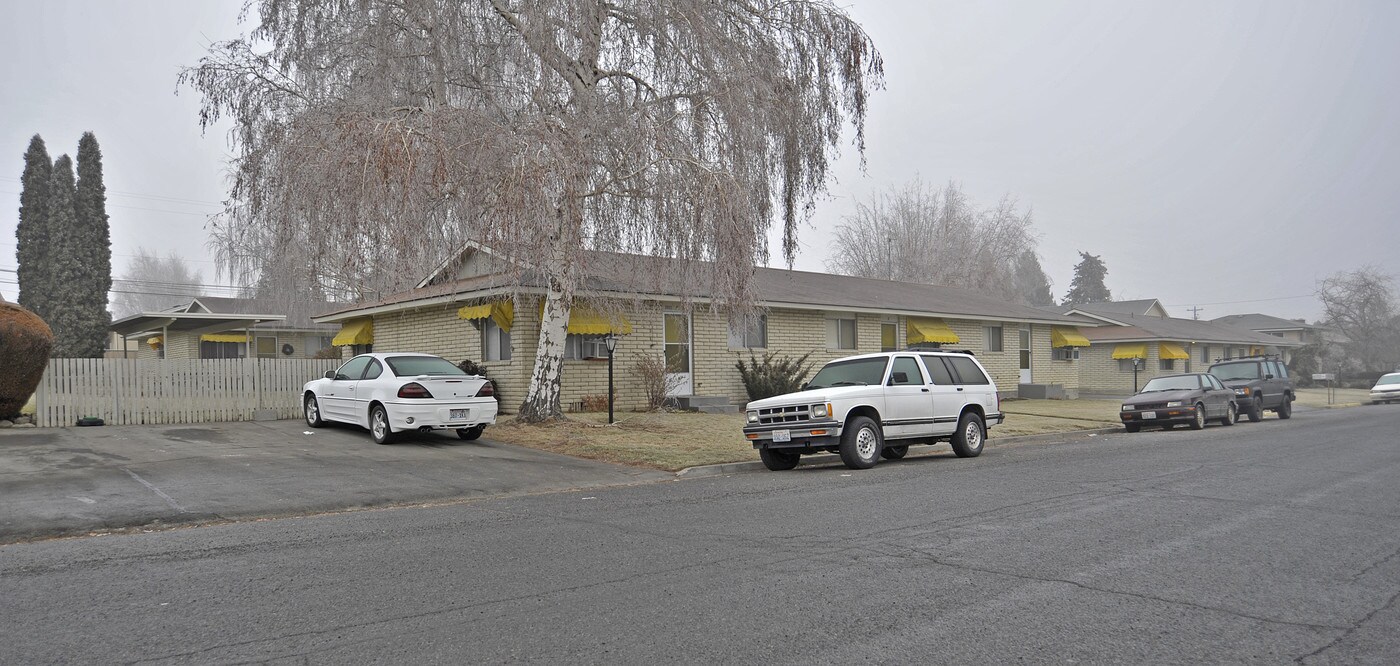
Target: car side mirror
<point x="899" y="378"/>
<point x="330" y="374"/>
<point x="1268" y="376"/>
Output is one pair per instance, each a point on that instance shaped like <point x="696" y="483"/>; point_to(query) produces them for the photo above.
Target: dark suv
<point x="1259" y="382"/>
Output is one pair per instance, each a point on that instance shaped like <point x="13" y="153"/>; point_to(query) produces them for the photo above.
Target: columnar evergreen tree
<point x="1088" y="285"/>
<point x="32" y="233"/>
<point x="1032" y="284"/>
<point x="65" y="297"/>
<point x="94" y="249"/>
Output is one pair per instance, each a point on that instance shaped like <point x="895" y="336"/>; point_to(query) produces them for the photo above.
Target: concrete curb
<point x="702" y="471"/>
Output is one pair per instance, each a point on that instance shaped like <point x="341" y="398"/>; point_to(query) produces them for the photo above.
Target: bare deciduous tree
<point x="921" y="233"/>
<point x="371" y="138"/>
<point x="1361" y="305"/>
<point x="153" y="283"/>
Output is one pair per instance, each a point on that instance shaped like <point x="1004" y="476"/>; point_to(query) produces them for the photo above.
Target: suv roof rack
<point x="1251" y="357"/>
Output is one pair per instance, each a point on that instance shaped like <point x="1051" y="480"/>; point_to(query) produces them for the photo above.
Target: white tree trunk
<point x="542" y="399"/>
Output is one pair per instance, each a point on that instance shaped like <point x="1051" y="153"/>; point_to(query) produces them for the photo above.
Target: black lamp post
<point x="611" y="342"/>
<point x="1136" y="362"/>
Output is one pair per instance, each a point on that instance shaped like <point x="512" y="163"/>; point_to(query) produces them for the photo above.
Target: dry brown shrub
<point x="25" y="341"/>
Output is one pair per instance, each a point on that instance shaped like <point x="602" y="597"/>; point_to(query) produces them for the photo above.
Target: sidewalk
<point x="59" y="481"/>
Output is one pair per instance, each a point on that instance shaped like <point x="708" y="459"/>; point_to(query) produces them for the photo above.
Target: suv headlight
<point x="1242" y="391"/>
<point x="1174" y="403"/>
<point x="753" y="417"/>
<point x="821" y="411"/>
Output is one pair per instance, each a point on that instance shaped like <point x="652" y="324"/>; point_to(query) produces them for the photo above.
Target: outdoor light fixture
<point x="611" y="342"/>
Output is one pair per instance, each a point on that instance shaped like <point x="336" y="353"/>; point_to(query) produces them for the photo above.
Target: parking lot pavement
<point x="77" y="480"/>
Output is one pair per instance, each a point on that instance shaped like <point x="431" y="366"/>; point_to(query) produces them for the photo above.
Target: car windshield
<point x="1184" y="382"/>
<point x="1233" y="371"/>
<point x="412" y="366"/>
<point x="859" y="372"/>
<point x="1388" y="380"/>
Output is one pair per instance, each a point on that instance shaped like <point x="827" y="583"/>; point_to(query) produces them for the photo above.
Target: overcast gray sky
<point x="1220" y="154"/>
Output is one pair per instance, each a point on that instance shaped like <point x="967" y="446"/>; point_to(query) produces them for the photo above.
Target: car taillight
<point x="414" y="390"/>
<point x="486" y="390"/>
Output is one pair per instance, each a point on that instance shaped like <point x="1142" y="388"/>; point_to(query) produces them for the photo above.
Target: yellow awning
<point x="355" y="332"/>
<point x="1067" y="336"/>
<point x="154" y="341"/>
<point x="501" y="312"/>
<point x="1256" y="351"/>
<point x="929" y="330"/>
<point x="587" y="321"/>
<point x="1130" y="350"/>
<point x="1171" y="351"/>
<point x="224" y="337"/>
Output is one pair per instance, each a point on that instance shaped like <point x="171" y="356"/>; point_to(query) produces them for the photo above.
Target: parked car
<point x="1260" y="383"/>
<point x="878" y="405"/>
<point x="1193" y="398"/>
<point x="1387" y="389"/>
<point x="392" y="393"/>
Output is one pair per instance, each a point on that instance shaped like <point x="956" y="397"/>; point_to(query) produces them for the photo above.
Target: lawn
<point x="1317" y="397"/>
<point x="673" y="441"/>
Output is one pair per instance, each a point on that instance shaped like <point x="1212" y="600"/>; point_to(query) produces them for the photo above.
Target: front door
<point x="1025" y="355"/>
<point x="677" y="350"/>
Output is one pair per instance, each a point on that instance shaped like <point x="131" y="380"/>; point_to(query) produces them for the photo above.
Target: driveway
<point x="76" y="480"/>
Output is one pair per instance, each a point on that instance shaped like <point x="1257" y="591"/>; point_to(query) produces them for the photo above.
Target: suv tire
<point x="861" y="443"/>
<point x="778" y="461"/>
<point x="1285" y="410"/>
<point x="895" y="452"/>
<point x="971" y="435"/>
<point x="1256" y="410"/>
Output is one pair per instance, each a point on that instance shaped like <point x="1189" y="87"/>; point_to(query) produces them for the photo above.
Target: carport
<point x="157" y="326"/>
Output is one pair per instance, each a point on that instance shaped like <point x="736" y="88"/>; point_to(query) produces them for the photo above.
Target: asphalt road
<point x="1272" y="542"/>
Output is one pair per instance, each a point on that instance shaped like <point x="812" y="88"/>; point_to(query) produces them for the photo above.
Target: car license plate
<point x="782" y="435"/>
<point x="460" y="414"/>
<point x="1148" y="416"/>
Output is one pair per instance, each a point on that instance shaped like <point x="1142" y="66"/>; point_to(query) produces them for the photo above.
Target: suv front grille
<point x="792" y="414"/>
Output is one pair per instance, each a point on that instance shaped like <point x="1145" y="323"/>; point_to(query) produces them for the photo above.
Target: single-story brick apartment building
<point x="484" y="308"/>
<point x="213" y="327"/>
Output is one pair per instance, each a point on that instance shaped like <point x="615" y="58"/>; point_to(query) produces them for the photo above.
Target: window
<point x="857" y="372"/>
<point x="905" y="372"/>
<point x="938" y="371"/>
<point x="1067" y="354"/>
<point x="1205" y="354"/>
<point x="889" y="336"/>
<point x="495" y="341"/>
<point x="992" y="339"/>
<point x="223" y="349"/>
<point x="1214" y="383"/>
<point x="1282" y="371"/>
<point x="374" y="371"/>
<point x="412" y="366"/>
<point x="1167" y="364"/>
<point x="841" y="333"/>
<point x="1125" y="364"/>
<point x="967" y="370"/>
<point x="361" y="349"/>
<point x="754" y="335"/>
<point x="315" y="343"/>
<point x="267" y="347"/>
<point x="582" y="347"/>
<point x="353" y="368"/>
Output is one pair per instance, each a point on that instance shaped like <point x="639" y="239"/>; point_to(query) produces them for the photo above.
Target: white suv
<point x="874" y="405"/>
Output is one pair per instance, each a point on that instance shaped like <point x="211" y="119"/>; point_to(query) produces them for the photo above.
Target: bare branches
<point x="1361" y="305"/>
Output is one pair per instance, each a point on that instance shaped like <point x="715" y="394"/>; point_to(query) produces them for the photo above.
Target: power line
<point x="153" y="197"/>
<point x="153" y="210"/>
<point x="1256" y="300"/>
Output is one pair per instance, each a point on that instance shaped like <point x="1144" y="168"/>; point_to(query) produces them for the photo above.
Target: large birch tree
<point x="371" y="137"/>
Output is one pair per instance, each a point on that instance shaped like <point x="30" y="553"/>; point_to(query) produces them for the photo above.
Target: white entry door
<point x="1025" y="354"/>
<point x="677" y="350"/>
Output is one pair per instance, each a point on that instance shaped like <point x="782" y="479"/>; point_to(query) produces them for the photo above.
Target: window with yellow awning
<point x="1171" y="351"/>
<point x="584" y="320"/>
<point x="921" y="330"/>
<point x="1067" y="336"/>
<point x="355" y="332"/>
<point x="224" y="337"/>
<point x="501" y="312"/>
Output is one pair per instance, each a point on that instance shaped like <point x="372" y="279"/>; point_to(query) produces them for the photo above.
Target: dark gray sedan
<point x="1192" y="399"/>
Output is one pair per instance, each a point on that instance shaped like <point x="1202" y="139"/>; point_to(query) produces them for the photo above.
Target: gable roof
<point x="1262" y="322"/>
<point x="1174" y="329"/>
<point x="616" y="275"/>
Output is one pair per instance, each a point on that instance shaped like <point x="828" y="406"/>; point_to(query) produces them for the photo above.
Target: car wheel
<point x="777" y="460"/>
<point x="1256" y="411"/>
<point x="472" y="433"/>
<point x="1231" y="415"/>
<point x="379" y="426"/>
<point x="1285" y="410"/>
<point x="1200" y="421"/>
<point x="313" y="411"/>
<point x="895" y="452"/>
<point x="861" y="443"/>
<point x="970" y="436"/>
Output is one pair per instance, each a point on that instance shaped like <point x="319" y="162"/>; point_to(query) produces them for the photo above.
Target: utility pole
<point x="1195" y="311"/>
<point x="889" y="258"/>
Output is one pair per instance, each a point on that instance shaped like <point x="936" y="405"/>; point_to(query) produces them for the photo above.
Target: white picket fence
<point x="134" y="392"/>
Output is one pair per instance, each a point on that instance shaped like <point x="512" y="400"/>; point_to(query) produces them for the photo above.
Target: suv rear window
<point x="968" y="372"/>
<point x="1236" y="371"/>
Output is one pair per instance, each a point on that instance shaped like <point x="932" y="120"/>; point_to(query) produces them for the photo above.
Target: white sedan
<point x="392" y="393"/>
<point x="1387" y="389"/>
